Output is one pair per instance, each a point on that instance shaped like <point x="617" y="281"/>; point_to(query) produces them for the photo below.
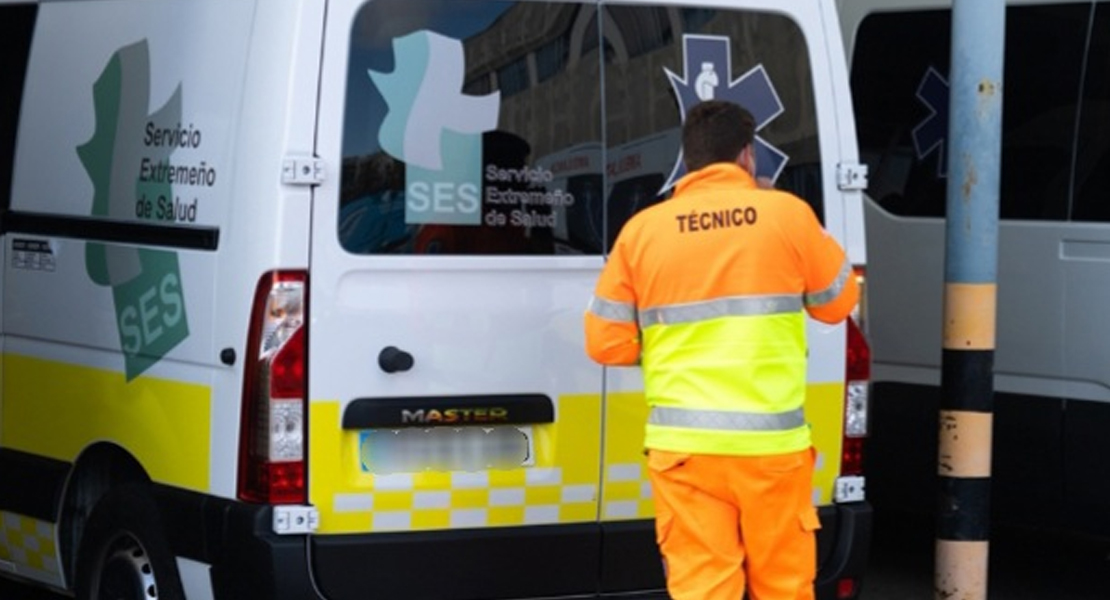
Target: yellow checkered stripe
<point x="28" y="544"/>
<point x="460" y="500"/>
<point x="560" y="487"/>
<point x="627" y="492"/>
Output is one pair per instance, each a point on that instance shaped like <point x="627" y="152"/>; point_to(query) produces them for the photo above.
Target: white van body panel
<point x="62" y="315"/>
<point x="226" y="104"/>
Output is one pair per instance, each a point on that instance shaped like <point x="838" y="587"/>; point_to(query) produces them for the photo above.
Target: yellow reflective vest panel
<point x="708" y="292"/>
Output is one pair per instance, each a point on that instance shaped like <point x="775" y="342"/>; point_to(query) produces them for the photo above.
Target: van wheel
<point x="124" y="554"/>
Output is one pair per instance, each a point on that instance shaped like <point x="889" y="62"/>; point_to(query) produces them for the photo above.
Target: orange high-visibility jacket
<point x="708" y="292"/>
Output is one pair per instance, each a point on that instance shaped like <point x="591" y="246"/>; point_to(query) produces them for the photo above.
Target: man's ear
<point x="746" y="159"/>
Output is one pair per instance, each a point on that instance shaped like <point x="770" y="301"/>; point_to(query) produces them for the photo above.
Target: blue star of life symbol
<point x="931" y="134"/>
<point x="708" y="59"/>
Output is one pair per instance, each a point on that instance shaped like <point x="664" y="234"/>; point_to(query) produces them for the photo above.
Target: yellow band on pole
<point x="961" y="570"/>
<point x="969" y="316"/>
<point x="965" y="444"/>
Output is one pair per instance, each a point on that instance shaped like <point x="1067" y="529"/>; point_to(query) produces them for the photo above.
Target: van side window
<point x="900" y="85"/>
<point x="1092" y="165"/>
<point x="16" y="24"/>
<point x="662" y="58"/>
<point x="473" y="128"/>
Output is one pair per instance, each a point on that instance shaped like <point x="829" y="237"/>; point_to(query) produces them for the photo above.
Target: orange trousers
<point x="730" y="524"/>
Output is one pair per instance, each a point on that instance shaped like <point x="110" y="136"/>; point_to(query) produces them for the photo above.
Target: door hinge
<point x="851" y="177"/>
<point x="302" y="170"/>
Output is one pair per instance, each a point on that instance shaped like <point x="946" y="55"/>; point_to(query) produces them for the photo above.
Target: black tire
<point x="124" y="554"/>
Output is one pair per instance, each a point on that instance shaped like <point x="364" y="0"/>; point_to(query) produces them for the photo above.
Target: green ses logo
<point x="146" y="284"/>
<point x="435" y="128"/>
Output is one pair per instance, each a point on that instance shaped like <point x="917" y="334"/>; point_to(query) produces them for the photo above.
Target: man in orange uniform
<point x="708" y="291"/>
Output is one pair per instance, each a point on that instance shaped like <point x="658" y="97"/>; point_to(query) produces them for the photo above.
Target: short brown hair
<point x="715" y="131"/>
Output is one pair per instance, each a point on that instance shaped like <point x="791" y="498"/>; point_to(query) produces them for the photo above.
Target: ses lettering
<point x="443" y="197"/>
<point x="142" y="322"/>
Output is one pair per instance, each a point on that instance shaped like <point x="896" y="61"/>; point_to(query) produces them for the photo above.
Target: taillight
<point x="857" y="386"/>
<point x="859" y="313"/>
<point x="272" y="438"/>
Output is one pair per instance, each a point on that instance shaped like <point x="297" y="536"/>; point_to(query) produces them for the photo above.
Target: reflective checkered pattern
<point x="627" y="493"/>
<point x="29" y="545"/>
<point x="458" y="500"/>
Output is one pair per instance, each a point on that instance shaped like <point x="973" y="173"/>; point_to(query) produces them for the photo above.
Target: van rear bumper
<point x="249" y="561"/>
<point x="843" y="546"/>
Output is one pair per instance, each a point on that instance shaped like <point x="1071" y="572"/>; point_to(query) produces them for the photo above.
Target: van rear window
<point x="538" y="128"/>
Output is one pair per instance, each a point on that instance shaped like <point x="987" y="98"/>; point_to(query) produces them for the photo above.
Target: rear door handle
<point x="393" y="360"/>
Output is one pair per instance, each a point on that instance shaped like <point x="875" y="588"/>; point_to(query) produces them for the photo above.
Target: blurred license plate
<point x="413" y="450"/>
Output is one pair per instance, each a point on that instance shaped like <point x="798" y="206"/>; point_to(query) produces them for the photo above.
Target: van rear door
<point x="455" y="421"/>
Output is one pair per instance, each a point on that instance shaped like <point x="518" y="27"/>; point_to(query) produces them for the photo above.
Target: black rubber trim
<point x="630" y="559"/>
<point x="32" y="485"/>
<point x="425" y="411"/>
<point x="248" y="560"/>
<point x="102" y="230"/>
<point x="498" y="562"/>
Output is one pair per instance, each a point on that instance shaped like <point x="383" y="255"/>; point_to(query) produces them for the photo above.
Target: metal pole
<point x="970" y="297"/>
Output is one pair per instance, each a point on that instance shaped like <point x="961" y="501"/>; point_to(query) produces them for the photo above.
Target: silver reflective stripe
<point x="727" y="420"/>
<point x="623" y="312"/>
<point x="736" y="306"/>
<point x="830" y="293"/>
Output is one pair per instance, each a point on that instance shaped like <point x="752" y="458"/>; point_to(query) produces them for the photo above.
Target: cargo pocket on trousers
<point x="661" y="461"/>
<point x="809" y="520"/>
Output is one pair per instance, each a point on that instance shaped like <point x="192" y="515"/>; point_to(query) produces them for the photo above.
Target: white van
<point x="293" y="291"/>
<point x="1052" y="381"/>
